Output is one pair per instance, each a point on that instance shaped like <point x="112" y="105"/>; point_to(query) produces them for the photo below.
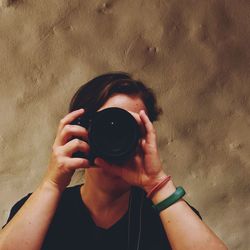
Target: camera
<point x="113" y="135"/>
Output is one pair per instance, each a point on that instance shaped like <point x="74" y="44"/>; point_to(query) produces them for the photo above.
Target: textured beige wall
<point x="194" y="54"/>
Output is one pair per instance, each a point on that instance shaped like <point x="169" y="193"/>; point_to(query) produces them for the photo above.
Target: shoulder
<point x="71" y="192"/>
<point x="70" y="198"/>
<point x="68" y="193"/>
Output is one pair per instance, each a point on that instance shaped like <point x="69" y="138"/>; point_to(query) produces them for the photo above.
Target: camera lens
<point x="113" y="134"/>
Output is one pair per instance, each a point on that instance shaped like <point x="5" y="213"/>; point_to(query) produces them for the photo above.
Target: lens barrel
<point x="113" y="135"/>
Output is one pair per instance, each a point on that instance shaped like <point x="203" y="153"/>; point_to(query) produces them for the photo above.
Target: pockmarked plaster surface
<point x="194" y="54"/>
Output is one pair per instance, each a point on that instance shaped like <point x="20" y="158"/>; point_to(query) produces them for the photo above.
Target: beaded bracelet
<point x="158" y="186"/>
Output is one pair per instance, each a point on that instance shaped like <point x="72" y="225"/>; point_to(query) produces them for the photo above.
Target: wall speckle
<point x="194" y="54"/>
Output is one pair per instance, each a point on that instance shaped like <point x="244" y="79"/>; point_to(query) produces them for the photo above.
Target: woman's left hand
<point x="145" y="168"/>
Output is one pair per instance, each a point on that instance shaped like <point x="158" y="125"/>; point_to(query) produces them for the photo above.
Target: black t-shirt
<point x="72" y="226"/>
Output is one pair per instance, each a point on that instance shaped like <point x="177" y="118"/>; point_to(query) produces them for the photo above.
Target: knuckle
<point x="77" y="142"/>
<point x="56" y="152"/>
<point x="84" y="161"/>
<point x="153" y="130"/>
<point x="61" y="122"/>
<point x="80" y="129"/>
<point x="60" y="162"/>
<point x="152" y="149"/>
<point x="86" y="147"/>
<point x="84" y="130"/>
<point x="53" y="148"/>
<point x="153" y="134"/>
<point x="67" y="127"/>
<point x="82" y="146"/>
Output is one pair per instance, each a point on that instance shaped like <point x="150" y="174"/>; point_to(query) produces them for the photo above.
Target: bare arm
<point x="184" y="229"/>
<point x="28" y="228"/>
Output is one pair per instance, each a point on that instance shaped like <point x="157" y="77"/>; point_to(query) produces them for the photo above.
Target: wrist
<point x="51" y="187"/>
<point x="163" y="193"/>
<point x="154" y="181"/>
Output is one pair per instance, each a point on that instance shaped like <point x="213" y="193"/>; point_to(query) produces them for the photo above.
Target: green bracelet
<point x="180" y="192"/>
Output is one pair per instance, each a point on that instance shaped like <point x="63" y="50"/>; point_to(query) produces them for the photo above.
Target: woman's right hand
<point x="61" y="165"/>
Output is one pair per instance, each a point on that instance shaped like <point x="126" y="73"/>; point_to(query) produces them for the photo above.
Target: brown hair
<point x="92" y="95"/>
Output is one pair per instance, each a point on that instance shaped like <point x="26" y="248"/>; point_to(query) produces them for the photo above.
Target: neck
<point x="102" y="201"/>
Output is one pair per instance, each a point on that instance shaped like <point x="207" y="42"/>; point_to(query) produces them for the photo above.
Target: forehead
<point x="129" y="103"/>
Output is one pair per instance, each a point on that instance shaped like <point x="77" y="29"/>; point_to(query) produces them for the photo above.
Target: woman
<point x="113" y="209"/>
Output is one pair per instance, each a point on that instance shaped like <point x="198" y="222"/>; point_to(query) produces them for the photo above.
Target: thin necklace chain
<point x="129" y="219"/>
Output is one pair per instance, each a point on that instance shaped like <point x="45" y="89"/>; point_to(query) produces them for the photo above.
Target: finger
<point x="76" y="163"/>
<point x="136" y="116"/>
<point x="70" y="131"/>
<point x="139" y="122"/>
<point x="68" y="119"/>
<point x="150" y="130"/>
<point x="75" y="145"/>
<point x="138" y="161"/>
<point x="108" y="167"/>
<point x="143" y="142"/>
<point x="139" y="151"/>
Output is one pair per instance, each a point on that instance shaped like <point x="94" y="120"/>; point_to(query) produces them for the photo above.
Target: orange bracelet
<point x="158" y="186"/>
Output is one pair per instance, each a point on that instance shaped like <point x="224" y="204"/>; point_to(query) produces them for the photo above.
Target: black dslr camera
<point x="113" y="135"/>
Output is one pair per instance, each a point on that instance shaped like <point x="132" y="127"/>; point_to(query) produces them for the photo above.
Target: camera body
<point x="113" y="135"/>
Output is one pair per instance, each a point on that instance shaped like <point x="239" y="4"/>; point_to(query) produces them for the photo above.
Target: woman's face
<point x="98" y="175"/>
